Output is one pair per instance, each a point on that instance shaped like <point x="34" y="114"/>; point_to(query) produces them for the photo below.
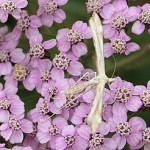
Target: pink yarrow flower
<point x="122" y="92"/>
<point x="67" y="61"/>
<point x="12" y="7"/>
<point x="96" y="5"/>
<point x="28" y="24"/>
<point x="50" y="130"/>
<point x="116" y="16"/>
<point x="37" y="47"/>
<point x="126" y="131"/>
<point x="49" y="11"/>
<point x="119" y="45"/>
<point x="143" y="21"/>
<point x="70" y="139"/>
<point x="97" y="141"/>
<point x="14" y="128"/>
<point x="73" y="38"/>
<point x="144" y="93"/>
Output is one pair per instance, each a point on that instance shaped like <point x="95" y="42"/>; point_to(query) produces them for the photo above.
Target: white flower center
<point x="123" y="94"/>
<point x="145" y="97"/>
<point x="94" y="5"/>
<point x="61" y="61"/>
<point x="5" y="104"/>
<point x="70" y="140"/>
<point x="44" y="108"/>
<point x="74" y="36"/>
<point x="119" y="45"/>
<point x="96" y="140"/>
<point x="45" y="75"/>
<point x="24" y="22"/>
<point x="14" y="124"/>
<point x="53" y="130"/>
<point x="144" y="16"/>
<point x="37" y="51"/>
<point x="123" y="128"/>
<point x="50" y="7"/>
<point x="119" y="22"/>
<point x="146" y="135"/>
<point x="9" y="6"/>
<point x="4" y="56"/>
<point x="20" y="72"/>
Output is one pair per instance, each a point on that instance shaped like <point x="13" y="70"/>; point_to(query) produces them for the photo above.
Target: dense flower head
<point x="43" y="105"/>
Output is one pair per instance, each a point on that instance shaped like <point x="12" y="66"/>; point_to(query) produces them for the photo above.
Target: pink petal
<point x="84" y="131"/>
<point x="108" y="51"/>
<point x="109" y="32"/>
<point x="60" y="122"/>
<point x="6" y="133"/>
<point x="35" y="21"/>
<point x="132" y="47"/>
<point x="137" y="123"/>
<point x="68" y="130"/>
<point x="63" y="45"/>
<point x="104" y="128"/>
<point x="75" y="68"/>
<point x="107" y="11"/>
<point x="79" y="49"/>
<point x="3" y="16"/>
<point x="61" y="2"/>
<point x="16" y="137"/>
<point x="110" y="143"/>
<point x="134" y="138"/>
<point x="43" y="137"/>
<point x="138" y="28"/>
<point x="88" y="97"/>
<point x="47" y="20"/>
<point x="138" y="89"/>
<point x="61" y="144"/>
<point x="21" y="4"/>
<point x="44" y="125"/>
<point x="62" y="33"/>
<point x="59" y="16"/>
<point x="26" y="126"/>
<point x="28" y="85"/>
<point x="49" y="44"/>
<point x="120" y="5"/>
<point x="4" y="115"/>
<point x="134" y="104"/>
<point x="133" y="13"/>
<point x="17" y="55"/>
<point x="6" y="68"/>
<point x="16" y="14"/>
<point x="57" y="74"/>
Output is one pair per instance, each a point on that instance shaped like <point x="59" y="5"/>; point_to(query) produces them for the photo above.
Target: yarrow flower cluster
<point x="58" y="120"/>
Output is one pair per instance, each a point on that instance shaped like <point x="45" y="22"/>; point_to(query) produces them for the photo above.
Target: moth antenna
<point x="115" y="66"/>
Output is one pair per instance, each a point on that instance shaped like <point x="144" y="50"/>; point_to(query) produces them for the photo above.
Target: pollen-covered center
<point x="53" y="91"/>
<point x="5" y="104"/>
<point x="8" y="6"/>
<point x="145" y="98"/>
<point x="20" y="72"/>
<point x="34" y="132"/>
<point x="14" y="124"/>
<point x="123" y="94"/>
<point x="119" y="45"/>
<point x="45" y="75"/>
<point x="37" y="51"/>
<point x="4" y="56"/>
<point x="96" y="140"/>
<point x="124" y="128"/>
<point x="50" y="7"/>
<point x="119" y="22"/>
<point x="144" y="16"/>
<point x="146" y="135"/>
<point x="71" y="102"/>
<point x="53" y="130"/>
<point x="44" y="108"/>
<point x="74" y="36"/>
<point x="61" y="61"/>
<point x="94" y="5"/>
<point x="70" y="140"/>
<point x="24" y="22"/>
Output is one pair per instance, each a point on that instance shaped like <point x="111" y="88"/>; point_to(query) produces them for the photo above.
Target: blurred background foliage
<point x="134" y="67"/>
